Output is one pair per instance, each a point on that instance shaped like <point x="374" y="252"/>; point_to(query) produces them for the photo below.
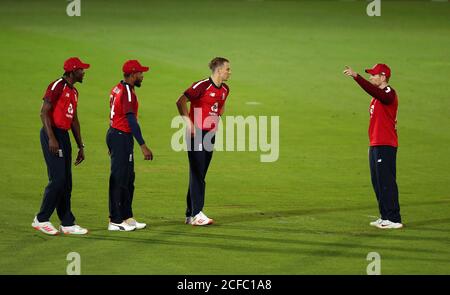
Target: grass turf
<point x="308" y="212"/>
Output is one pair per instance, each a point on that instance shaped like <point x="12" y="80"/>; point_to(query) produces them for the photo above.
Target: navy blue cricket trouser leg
<point x="199" y="160"/>
<point x="382" y="161"/>
<point x="121" y="180"/>
<point x="58" y="192"/>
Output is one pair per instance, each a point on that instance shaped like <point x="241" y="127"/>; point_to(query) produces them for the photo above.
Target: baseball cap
<point x="74" y="63"/>
<point x="380" y="69"/>
<point x="133" y="66"/>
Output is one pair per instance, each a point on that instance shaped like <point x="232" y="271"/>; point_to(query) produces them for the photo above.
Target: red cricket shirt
<point x="207" y="102"/>
<point x="383" y="114"/>
<point x="123" y="100"/>
<point x="64" y="98"/>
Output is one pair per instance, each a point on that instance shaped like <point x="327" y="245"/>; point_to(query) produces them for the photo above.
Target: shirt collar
<point x="125" y="83"/>
<point x="214" y="84"/>
<point x="67" y="82"/>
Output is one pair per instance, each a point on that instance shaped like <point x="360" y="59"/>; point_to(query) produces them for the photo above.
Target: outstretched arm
<point x="386" y="96"/>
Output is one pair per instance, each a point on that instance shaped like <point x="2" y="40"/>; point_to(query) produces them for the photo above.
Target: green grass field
<point x="306" y="213"/>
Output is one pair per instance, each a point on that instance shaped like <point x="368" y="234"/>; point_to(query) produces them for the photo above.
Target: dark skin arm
<point x="183" y="111"/>
<point x="77" y="135"/>
<point x="53" y="144"/>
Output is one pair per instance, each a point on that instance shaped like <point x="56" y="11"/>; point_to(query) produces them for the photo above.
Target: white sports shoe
<point x="376" y="222"/>
<point x="133" y="222"/>
<point x="389" y="224"/>
<point x="120" y="226"/>
<point x="45" y="227"/>
<point x="73" y="230"/>
<point x="201" y="219"/>
<point x="188" y="220"/>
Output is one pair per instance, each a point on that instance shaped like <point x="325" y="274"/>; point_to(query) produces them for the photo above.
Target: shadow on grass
<point x="264" y="215"/>
<point x="197" y="242"/>
<point x="371" y="232"/>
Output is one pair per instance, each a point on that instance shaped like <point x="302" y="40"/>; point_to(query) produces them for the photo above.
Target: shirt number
<point x="112" y="108"/>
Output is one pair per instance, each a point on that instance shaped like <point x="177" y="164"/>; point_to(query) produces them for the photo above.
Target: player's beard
<point x="138" y="83"/>
<point x="79" y="78"/>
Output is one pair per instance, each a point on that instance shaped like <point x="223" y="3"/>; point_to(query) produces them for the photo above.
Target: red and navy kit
<point x="64" y="99"/>
<point x="383" y="114"/>
<point x="123" y="114"/>
<point x="206" y="103"/>
<point x="383" y="148"/>
<point x="123" y="100"/>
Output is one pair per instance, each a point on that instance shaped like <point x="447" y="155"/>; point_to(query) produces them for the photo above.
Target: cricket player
<point x="207" y="103"/>
<point x="123" y="127"/>
<point x="383" y="142"/>
<point x="58" y="115"/>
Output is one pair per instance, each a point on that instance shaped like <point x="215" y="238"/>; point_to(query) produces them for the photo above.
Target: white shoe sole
<point x="38" y="228"/>
<point x="118" y="228"/>
<point x="389" y="227"/>
<point x="211" y="221"/>
<point x="75" y="233"/>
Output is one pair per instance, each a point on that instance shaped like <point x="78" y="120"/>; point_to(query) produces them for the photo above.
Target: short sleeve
<point x="127" y="100"/>
<point x="54" y="91"/>
<point x="196" y="90"/>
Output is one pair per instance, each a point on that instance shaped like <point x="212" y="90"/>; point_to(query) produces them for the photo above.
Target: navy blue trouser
<point x="58" y="192"/>
<point x="199" y="159"/>
<point x="121" y="179"/>
<point x="382" y="160"/>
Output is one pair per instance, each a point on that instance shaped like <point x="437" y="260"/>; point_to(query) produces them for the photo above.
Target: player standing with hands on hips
<point x="207" y="102"/>
<point x="123" y="127"/>
<point x="383" y="142"/>
<point x="58" y="115"/>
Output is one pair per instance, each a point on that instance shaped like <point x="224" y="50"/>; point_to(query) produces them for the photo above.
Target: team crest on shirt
<point x="67" y="95"/>
<point x="213" y="94"/>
